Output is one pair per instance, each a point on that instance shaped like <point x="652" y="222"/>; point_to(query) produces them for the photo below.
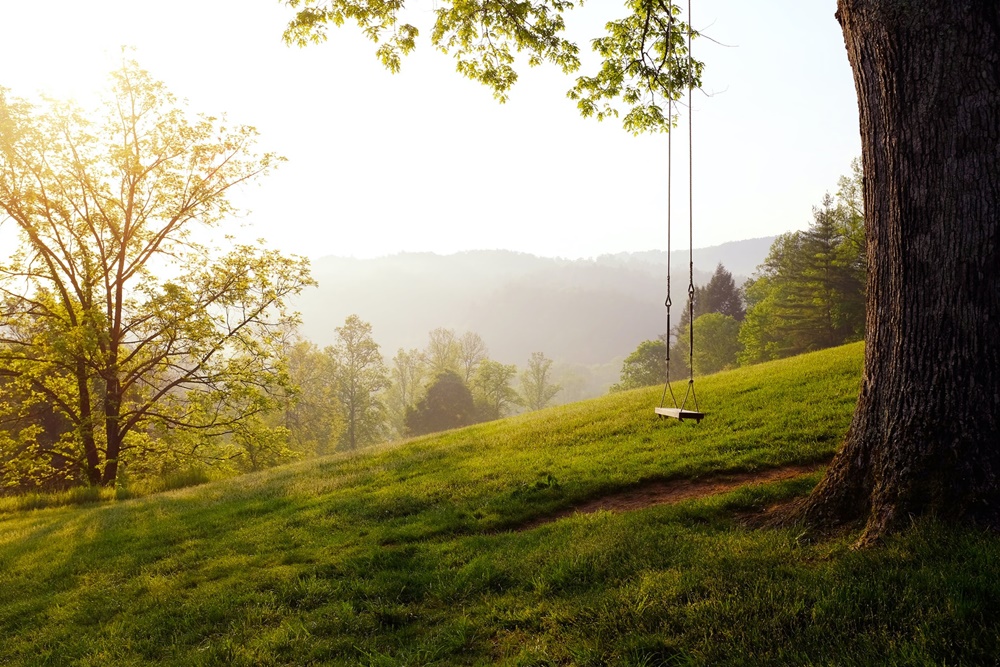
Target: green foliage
<point x="720" y="295"/>
<point x="141" y="370"/>
<point x="492" y="390"/>
<point x="716" y="345"/>
<point x="406" y="375"/>
<point x="484" y="35"/>
<point x="447" y="404"/>
<point x="644" y="56"/>
<point x="361" y="377"/>
<point x="311" y="414"/>
<point x="443" y="352"/>
<point x="644" y="367"/>
<point x="261" y="445"/>
<point x="32" y="435"/>
<point x="644" y="67"/>
<point x="760" y="334"/>
<point x="465" y="356"/>
<point x="537" y="388"/>
<point x="378" y="20"/>
<point x="809" y="293"/>
<point x="408" y="555"/>
<point x="851" y="205"/>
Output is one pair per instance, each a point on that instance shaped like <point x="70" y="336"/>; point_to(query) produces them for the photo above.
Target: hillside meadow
<point x="434" y="552"/>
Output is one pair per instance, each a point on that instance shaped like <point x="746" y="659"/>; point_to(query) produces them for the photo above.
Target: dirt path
<point x="673" y="491"/>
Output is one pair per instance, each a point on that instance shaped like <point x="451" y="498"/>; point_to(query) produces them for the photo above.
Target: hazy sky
<point x="427" y="160"/>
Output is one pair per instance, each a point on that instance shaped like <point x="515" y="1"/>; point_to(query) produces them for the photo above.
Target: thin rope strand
<point x="691" y="291"/>
<point x="670" y="187"/>
<point x="690" y="198"/>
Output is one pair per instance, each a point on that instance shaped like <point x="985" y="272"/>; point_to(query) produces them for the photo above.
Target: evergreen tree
<point x="719" y="295"/>
<point x="836" y="289"/>
<point x="809" y="293"/>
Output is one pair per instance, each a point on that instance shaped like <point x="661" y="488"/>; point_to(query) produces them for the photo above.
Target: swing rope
<point x="670" y="187"/>
<point x="691" y="291"/>
<point x="680" y="412"/>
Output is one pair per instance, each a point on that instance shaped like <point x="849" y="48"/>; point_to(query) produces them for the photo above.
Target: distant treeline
<point x="348" y="396"/>
<point x="342" y="397"/>
<point x="113" y="374"/>
<point x="132" y="355"/>
<point x="808" y="294"/>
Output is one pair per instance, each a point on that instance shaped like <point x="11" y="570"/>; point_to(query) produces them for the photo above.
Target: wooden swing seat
<point x="677" y="413"/>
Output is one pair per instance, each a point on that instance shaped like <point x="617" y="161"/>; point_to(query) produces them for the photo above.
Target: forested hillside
<point x="114" y="376"/>
<point x="589" y="311"/>
<point x="475" y="547"/>
<point x="215" y="375"/>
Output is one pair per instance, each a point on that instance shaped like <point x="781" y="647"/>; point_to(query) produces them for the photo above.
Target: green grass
<point x="404" y="556"/>
<point x="92" y="494"/>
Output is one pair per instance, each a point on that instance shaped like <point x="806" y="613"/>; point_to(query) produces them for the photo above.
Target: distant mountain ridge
<point x="741" y="258"/>
<point x="586" y="311"/>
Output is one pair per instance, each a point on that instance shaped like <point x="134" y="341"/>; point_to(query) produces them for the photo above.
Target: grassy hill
<point x="414" y="554"/>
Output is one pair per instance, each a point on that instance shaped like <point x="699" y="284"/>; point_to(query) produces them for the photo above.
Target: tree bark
<point x="112" y="426"/>
<point x="86" y="426"/>
<point x="924" y="438"/>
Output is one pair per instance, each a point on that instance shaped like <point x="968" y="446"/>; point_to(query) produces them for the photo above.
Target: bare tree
<point x="443" y="351"/>
<point x="472" y="352"/>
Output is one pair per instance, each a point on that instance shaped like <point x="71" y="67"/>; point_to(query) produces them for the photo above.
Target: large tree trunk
<point x="925" y="437"/>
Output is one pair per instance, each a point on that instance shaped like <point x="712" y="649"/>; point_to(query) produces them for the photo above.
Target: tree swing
<point x="680" y="412"/>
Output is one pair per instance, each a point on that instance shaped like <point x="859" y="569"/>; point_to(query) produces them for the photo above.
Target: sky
<point x="426" y="160"/>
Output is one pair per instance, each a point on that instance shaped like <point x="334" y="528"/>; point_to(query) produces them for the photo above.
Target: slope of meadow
<point x="411" y="554"/>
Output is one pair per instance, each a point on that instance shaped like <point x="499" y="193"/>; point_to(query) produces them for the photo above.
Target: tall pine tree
<point x="809" y="293"/>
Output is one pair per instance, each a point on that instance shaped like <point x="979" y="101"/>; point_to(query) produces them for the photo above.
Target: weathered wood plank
<point x="677" y="413"/>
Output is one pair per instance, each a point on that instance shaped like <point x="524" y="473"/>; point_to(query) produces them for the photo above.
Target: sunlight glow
<point x="426" y="160"/>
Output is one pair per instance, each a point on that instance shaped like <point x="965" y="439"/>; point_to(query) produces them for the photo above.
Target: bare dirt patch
<point x="674" y="491"/>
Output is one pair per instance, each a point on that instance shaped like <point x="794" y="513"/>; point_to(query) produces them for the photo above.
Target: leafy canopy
<point x="537" y="388"/>
<point x="447" y="404"/>
<point x="810" y="292"/>
<point x="644" y="367"/>
<point x="361" y="377"/>
<point x="643" y="55"/>
<point x="150" y="346"/>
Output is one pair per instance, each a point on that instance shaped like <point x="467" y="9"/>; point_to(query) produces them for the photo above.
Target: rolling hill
<point x="462" y="548"/>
